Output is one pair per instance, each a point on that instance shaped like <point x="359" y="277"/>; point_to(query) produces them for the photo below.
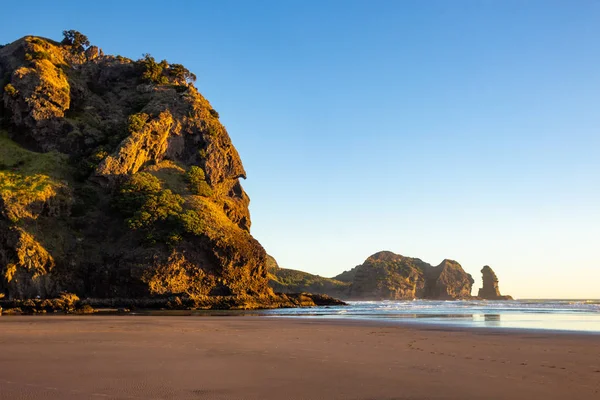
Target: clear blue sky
<point x="467" y="130"/>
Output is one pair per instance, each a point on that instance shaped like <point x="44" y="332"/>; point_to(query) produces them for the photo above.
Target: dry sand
<point x="145" y="357"/>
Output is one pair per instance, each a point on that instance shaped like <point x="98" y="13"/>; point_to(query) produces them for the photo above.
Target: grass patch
<point x="27" y="177"/>
<point x="16" y="159"/>
<point x="171" y="176"/>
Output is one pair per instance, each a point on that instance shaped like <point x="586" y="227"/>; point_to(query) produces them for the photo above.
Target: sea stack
<point x="490" y="290"/>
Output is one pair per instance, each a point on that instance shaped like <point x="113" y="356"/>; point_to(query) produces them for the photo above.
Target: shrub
<point x="38" y="41"/>
<point x="10" y="90"/>
<point x="41" y="55"/>
<point x="152" y="71"/>
<point x="162" y="73"/>
<point x="156" y="208"/>
<point x="197" y="182"/>
<point x="181" y="74"/>
<point x="78" y="41"/>
<point x="142" y="199"/>
<point x="137" y="121"/>
<point x="192" y="223"/>
<point x="135" y="190"/>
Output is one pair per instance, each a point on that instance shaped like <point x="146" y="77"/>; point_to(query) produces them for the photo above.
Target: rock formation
<point x="389" y="276"/>
<point x="447" y="281"/>
<point x="117" y="180"/>
<point x="490" y="290"/>
<point x="383" y="276"/>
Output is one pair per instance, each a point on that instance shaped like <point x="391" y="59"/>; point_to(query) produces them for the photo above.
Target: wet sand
<point x="149" y="357"/>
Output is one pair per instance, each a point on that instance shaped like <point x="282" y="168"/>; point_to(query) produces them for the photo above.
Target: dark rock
<point x="325" y="300"/>
<point x="447" y="281"/>
<point x="312" y="300"/>
<point x="490" y="290"/>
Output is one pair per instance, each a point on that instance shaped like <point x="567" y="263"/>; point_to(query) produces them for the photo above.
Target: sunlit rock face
<point x="118" y="180"/>
<point x="389" y="276"/>
<point x="490" y="289"/>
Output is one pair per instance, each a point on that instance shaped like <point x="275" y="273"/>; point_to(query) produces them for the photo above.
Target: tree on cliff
<point x="77" y="40"/>
<point x="152" y="71"/>
<point x="182" y="74"/>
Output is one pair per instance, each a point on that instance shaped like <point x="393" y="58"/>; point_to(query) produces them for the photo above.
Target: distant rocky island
<point x="120" y="186"/>
<point x="389" y="276"/>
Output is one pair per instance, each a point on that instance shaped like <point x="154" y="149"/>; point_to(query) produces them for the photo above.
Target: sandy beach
<point x="150" y="357"/>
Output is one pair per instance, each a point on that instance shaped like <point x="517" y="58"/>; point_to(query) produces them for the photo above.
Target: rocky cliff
<point x="383" y="276"/>
<point x="389" y="276"/>
<point x="490" y="289"/>
<point x="117" y="180"/>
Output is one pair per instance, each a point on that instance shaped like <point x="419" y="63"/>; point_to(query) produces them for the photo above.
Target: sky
<point x="467" y="130"/>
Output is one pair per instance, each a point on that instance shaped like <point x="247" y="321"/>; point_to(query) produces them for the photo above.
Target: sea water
<point x="566" y="315"/>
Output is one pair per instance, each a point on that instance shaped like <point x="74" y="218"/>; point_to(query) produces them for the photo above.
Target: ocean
<point x="558" y="315"/>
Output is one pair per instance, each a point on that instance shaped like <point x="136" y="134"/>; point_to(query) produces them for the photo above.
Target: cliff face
<point x="389" y="276"/>
<point x="490" y="289"/>
<point x="118" y="180"/>
<point x="383" y="276"/>
<point x="448" y="281"/>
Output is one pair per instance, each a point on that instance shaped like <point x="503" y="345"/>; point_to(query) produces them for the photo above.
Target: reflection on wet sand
<point x="491" y="317"/>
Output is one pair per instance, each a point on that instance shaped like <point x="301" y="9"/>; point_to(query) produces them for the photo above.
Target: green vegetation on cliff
<point x="28" y="180"/>
<point x="292" y="281"/>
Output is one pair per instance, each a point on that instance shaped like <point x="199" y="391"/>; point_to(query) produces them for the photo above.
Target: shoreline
<point x="177" y="357"/>
<point x="408" y="322"/>
<point x="366" y="321"/>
